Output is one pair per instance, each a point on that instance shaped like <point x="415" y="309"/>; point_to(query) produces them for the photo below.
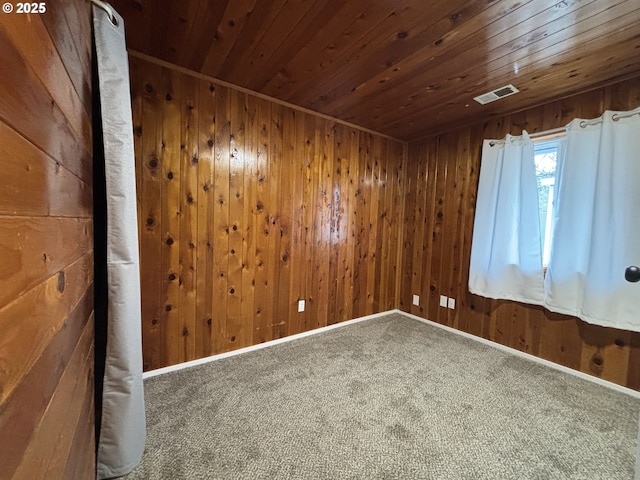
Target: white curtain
<point x="122" y="434"/>
<point x="506" y="251"/>
<point x="597" y="222"/>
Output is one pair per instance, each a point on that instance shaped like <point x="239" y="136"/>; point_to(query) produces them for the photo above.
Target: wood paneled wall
<point x="442" y="177"/>
<point x="247" y="206"/>
<point x="46" y="244"/>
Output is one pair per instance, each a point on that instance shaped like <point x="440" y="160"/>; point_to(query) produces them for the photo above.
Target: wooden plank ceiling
<point x="406" y="68"/>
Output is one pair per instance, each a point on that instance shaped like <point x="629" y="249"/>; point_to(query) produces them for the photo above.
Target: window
<point x="546" y="152"/>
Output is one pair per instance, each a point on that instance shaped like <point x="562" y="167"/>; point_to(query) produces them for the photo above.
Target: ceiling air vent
<point x="496" y="94"/>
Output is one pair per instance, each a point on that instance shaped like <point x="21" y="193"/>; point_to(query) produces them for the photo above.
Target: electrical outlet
<point x="416" y="300"/>
<point x="300" y="305"/>
<point x="452" y="303"/>
<point x="443" y="301"/>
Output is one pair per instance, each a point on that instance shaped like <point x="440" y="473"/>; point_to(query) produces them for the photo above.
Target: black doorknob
<point x="632" y="274"/>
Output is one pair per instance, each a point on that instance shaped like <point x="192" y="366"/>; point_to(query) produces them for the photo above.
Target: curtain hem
<point x="601" y="322"/>
<point x="514" y="298"/>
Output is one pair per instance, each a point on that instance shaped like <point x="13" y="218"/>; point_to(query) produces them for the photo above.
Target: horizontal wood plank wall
<point x="247" y="206"/>
<point x="442" y="178"/>
<point x="46" y="245"/>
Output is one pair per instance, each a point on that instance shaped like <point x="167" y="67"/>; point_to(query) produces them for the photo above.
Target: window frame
<point x="545" y="144"/>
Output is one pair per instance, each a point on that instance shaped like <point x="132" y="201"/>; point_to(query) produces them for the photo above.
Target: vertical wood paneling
<point x="287" y="298"/>
<point x="447" y="167"/>
<point x="352" y="200"/>
<point x="205" y="202"/>
<point x="203" y="198"/>
<point x="435" y="229"/>
<point x="431" y="298"/>
<point x="148" y="148"/>
<point x="362" y="214"/>
<point x="396" y="214"/>
<point x="382" y="241"/>
<point x="323" y="220"/>
<point x="334" y="197"/>
<point x="298" y="260"/>
<point x="420" y="217"/>
<point x="188" y="214"/>
<point x="261" y="330"/>
<point x="307" y="218"/>
<point x="221" y="219"/>
<point x="234" y="327"/>
<point x="46" y="245"/>
<point x="274" y="221"/>
<point x="472" y="304"/>
<point x="170" y="211"/>
<point x="341" y="205"/>
<point x="373" y="248"/>
<point x="248" y="206"/>
<point x="409" y="225"/>
<point x="314" y="132"/>
<point x="250" y="231"/>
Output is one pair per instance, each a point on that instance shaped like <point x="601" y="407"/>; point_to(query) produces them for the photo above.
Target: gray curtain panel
<point x="123" y="429"/>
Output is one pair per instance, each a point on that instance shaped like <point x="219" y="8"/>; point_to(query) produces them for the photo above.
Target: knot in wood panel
<point x="597" y="360"/>
<point x="61" y="281"/>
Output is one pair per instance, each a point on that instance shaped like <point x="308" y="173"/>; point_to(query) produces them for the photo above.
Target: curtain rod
<point x="555" y="132"/>
<point x="615" y="117"/>
<point x="546" y="133"/>
<point x="107" y="8"/>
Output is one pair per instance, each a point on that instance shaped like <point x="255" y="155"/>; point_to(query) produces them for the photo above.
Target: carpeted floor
<point x="387" y="398"/>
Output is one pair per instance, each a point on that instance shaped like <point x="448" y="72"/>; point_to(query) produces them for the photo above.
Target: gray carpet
<point x="388" y="398"/>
